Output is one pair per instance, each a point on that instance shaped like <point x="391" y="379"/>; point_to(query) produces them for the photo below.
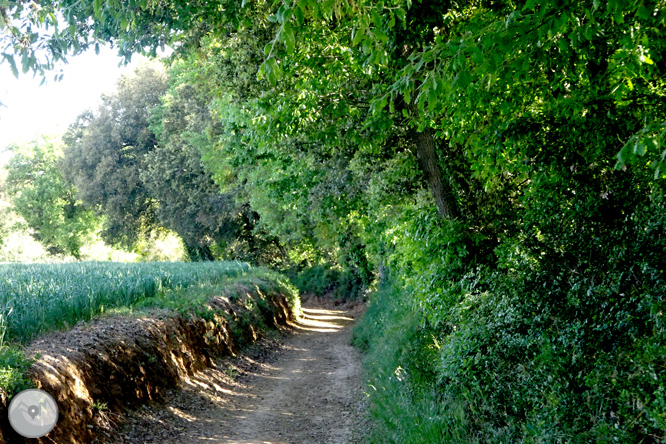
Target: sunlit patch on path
<point x="317" y="319"/>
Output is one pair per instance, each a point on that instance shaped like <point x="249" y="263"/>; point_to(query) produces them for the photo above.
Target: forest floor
<point x="299" y="386"/>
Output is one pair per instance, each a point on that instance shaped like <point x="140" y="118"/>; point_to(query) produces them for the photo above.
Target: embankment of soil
<point x="116" y="363"/>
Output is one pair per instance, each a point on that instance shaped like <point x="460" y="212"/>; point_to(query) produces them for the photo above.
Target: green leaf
<point x="358" y="35"/>
<point x="326" y="8"/>
<point x="300" y="17"/>
<point x="432" y="99"/>
<point x="283" y="14"/>
<point x="98" y="8"/>
<point x="639" y="148"/>
<point x="651" y="144"/>
<point x="401" y="15"/>
<point x="463" y="79"/>
<point x="261" y="72"/>
<point x="391" y="22"/>
<point x="643" y="12"/>
<point x="376" y="19"/>
<point x="12" y="64"/>
<point x="273" y="72"/>
<point x="619" y="16"/>
<point x="383" y="102"/>
<point x="25" y="63"/>
<point x="289" y="39"/>
<point x="477" y="55"/>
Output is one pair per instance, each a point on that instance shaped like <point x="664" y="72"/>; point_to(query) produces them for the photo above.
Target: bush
<point x="560" y="344"/>
<point x="325" y="280"/>
<point x="13" y="368"/>
<point x="317" y="280"/>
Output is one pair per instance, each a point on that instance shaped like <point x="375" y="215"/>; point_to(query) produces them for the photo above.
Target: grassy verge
<point x="400" y="358"/>
<point x="191" y="300"/>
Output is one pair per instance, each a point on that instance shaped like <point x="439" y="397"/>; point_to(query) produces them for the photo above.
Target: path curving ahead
<point x="306" y="389"/>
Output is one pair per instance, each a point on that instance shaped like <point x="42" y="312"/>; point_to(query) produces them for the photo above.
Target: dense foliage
<point x="4" y="208"/>
<point x="104" y="156"/>
<point x="190" y="203"/>
<point x="499" y="164"/>
<point x="47" y="204"/>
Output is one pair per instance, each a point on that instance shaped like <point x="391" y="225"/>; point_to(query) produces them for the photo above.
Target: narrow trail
<point x="303" y="388"/>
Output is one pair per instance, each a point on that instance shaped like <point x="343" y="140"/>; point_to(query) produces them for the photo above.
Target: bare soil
<point x="299" y="386"/>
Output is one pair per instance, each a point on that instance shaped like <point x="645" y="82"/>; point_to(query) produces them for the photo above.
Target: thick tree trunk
<point x="428" y="160"/>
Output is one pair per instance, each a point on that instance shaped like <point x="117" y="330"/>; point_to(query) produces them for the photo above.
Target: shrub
<point x="321" y="280"/>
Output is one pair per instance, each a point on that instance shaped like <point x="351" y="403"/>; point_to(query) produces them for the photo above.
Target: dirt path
<point x="301" y="388"/>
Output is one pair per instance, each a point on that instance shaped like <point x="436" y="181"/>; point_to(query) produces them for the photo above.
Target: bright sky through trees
<point x="30" y="109"/>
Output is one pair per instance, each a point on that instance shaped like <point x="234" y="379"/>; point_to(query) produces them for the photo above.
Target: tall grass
<point x="400" y="367"/>
<point x="35" y="298"/>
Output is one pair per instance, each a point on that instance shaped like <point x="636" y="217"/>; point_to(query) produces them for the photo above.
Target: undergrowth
<point x="13" y="368"/>
<point x="508" y="363"/>
<point x="346" y="284"/>
<point x="400" y="364"/>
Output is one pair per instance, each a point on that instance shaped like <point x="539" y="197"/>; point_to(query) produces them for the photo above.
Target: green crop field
<point x="35" y="298"/>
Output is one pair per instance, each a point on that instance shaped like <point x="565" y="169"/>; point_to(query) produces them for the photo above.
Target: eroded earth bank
<point x="301" y="387"/>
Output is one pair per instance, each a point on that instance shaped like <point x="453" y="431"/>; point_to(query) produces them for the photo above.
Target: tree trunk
<point x="428" y="160"/>
<point x="426" y="154"/>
